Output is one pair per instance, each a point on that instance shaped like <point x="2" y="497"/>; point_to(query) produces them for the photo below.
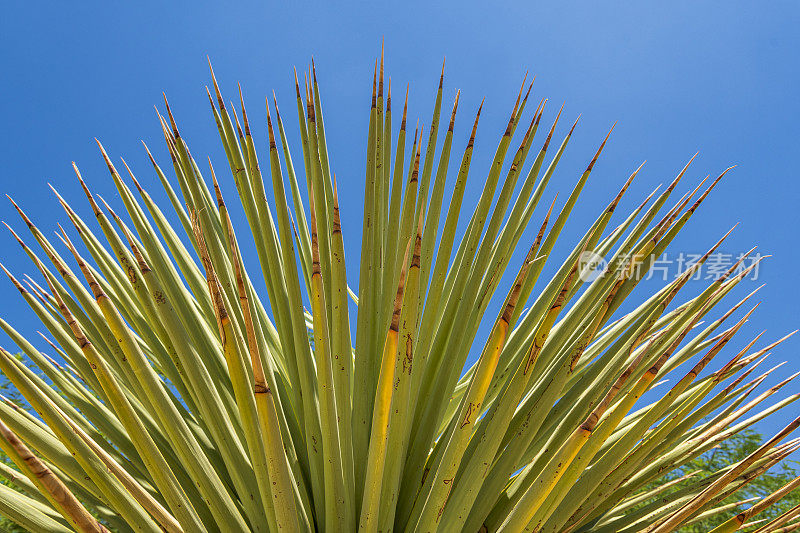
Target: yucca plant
<point x="191" y="392"/>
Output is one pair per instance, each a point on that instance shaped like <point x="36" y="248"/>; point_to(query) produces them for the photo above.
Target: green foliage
<point x="729" y="452"/>
<point x="8" y="390"/>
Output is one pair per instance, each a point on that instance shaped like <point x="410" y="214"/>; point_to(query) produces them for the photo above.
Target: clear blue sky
<point x="679" y="77"/>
